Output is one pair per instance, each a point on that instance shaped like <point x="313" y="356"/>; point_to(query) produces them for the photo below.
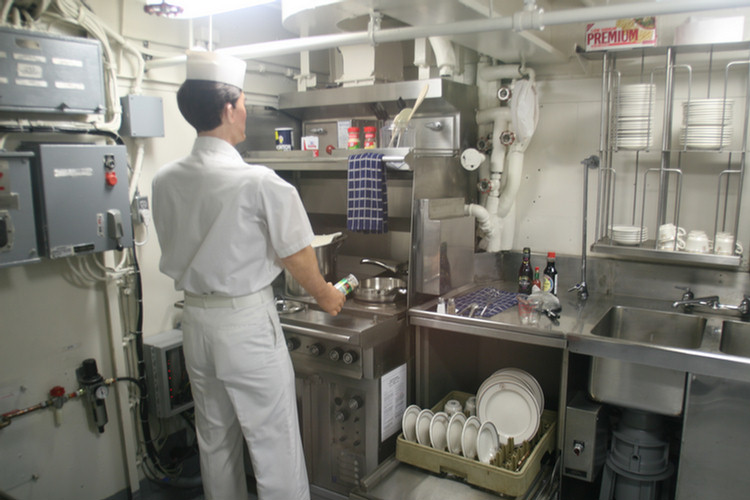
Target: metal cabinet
<point x="674" y="125"/>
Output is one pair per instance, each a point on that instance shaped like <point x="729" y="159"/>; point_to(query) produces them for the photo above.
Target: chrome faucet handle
<point x="582" y="289"/>
<point x="688" y="295"/>
<point x="744" y="307"/>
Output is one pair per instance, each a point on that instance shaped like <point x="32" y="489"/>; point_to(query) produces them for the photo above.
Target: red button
<point x="111" y="178"/>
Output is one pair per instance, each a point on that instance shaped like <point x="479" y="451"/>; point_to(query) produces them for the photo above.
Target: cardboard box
<point x="621" y="34"/>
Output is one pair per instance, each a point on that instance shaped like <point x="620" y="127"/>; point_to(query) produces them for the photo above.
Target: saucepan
<point x="380" y="290"/>
<point x="326" y="250"/>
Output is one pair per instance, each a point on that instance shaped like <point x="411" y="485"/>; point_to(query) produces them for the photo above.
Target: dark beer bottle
<point x="525" y="276"/>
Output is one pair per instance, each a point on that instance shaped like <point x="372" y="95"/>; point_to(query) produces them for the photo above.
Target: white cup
<point x="697" y="242"/>
<point x="669" y="245"/>
<point x="452" y="406"/>
<point x="725" y="245"/>
<point x="668" y="232"/>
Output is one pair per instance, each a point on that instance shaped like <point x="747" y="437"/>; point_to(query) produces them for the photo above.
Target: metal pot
<point x="380" y="290"/>
<point x="326" y="255"/>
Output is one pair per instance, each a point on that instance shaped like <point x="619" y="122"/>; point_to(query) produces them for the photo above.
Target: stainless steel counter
<point x="576" y="322"/>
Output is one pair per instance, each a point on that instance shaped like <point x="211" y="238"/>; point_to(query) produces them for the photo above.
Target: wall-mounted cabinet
<point x="674" y="127"/>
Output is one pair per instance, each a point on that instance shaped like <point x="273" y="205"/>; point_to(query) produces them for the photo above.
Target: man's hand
<point x="303" y="266"/>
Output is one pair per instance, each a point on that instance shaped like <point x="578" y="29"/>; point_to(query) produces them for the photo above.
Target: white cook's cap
<point x="216" y="67"/>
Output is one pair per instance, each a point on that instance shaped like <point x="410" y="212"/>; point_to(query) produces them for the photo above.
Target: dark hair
<point x="201" y="102"/>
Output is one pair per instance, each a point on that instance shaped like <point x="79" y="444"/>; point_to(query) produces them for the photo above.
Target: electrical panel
<point x="142" y="116"/>
<point x="46" y="73"/>
<point x="166" y="375"/>
<point x="18" y="243"/>
<point x="81" y="198"/>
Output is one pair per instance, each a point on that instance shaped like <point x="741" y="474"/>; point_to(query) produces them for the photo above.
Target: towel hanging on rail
<point x="367" y="194"/>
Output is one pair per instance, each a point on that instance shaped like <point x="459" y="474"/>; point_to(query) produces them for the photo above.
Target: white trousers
<point x="243" y="384"/>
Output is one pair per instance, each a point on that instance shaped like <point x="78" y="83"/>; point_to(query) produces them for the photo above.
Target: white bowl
<point x="423" y="426"/>
<point x="409" y="423"/>
<point x="439" y="430"/>
<point x="469" y="437"/>
<point x="455" y="429"/>
<point x="487" y="442"/>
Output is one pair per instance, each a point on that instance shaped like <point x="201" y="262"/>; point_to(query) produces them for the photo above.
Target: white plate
<point x="513" y="410"/>
<point x="438" y="430"/>
<point x="455" y="430"/>
<point x="531" y="382"/>
<point x="469" y="437"/>
<point x="423" y="426"/>
<point x="487" y="442"/>
<point x="409" y="423"/>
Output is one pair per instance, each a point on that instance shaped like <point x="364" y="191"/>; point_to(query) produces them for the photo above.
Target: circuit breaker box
<point x="166" y="374"/>
<point x="81" y="198"/>
<point x="18" y="243"/>
<point x="49" y="73"/>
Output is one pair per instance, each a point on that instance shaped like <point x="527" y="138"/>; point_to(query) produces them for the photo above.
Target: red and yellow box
<point x="621" y="34"/>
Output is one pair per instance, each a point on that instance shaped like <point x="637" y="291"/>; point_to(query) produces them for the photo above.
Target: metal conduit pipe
<point x="519" y="21"/>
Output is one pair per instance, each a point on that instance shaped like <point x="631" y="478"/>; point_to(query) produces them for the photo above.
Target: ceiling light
<point x="185" y="9"/>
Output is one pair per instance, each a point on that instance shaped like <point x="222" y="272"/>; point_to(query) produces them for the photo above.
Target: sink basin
<point x="735" y="338"/>
<point x="651" y="327"/>
<point x="643" y="387"/>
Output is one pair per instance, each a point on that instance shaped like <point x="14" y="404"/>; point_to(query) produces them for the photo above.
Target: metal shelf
<point x="646" y="254"/>
<point x="395" y="158"/>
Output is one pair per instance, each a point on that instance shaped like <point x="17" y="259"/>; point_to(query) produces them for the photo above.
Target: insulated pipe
<point x="445" y="55"/>
<point x="519" y="21"/>
<point x="512" y="182"/>
<point x="482" y="216"/>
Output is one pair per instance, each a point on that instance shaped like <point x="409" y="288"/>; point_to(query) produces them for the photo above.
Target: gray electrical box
<point x="81" y="197"/>
<point x="586" y="432"/>
<point x="46" y="73"/>
<point x="142" y="116"/>
<point x="166" y="374"/>
<point x="18" y="244"/>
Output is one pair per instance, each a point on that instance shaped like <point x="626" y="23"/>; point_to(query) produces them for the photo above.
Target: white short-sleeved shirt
<point x="223" y="224"/>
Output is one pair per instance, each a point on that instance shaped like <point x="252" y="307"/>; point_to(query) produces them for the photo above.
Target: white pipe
<point x="482" y="216"/>
<point x="519" y="21"/>
<point x="445" y="55"/>
<point x="512" y="183"/>
<point x="137" y="168"/>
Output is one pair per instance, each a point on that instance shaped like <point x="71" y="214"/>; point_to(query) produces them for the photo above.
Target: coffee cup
<point x="725" y="245"/>
<point x="697" y="242"/>
<point x="670" y="245"/>
<point x="671" y="232"/>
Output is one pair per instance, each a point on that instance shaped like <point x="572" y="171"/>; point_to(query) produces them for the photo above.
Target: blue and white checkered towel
<point x="367" y="194"/>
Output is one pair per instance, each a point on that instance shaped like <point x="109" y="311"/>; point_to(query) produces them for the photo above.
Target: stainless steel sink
<point x="631" y="385"/>
<point x="652" y="327"/>
<point x="735" y="338"/>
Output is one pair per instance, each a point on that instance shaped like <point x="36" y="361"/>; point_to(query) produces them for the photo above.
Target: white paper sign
<point x="392" y="401"/>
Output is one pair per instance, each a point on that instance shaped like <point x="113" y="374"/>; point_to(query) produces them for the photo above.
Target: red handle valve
<point x="330" y="148"/>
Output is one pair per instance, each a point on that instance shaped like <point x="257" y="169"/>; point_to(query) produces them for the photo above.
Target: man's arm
<point x="303" y="265"/>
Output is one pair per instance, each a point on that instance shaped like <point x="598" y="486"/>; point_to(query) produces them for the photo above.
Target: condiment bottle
<point x="353" y="142"/>
<point x="536" y="285"/>
<point x="370" y="138"/>
<point x="525" y="277"/>
<point x="550" y="275"/>
<point x="347" y="285"/>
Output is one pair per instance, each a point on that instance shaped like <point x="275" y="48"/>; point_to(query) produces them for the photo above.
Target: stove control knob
<point x="292" y="343"/>
<point x="355" y="403"/>
<point x="335" y="354"/>
<point x="341" y="416"/>
<point x="350" y="357"/>
<point x="316" y="349"/>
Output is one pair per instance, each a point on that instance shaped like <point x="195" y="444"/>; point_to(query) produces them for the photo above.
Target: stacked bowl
<point x="635" y="110"/>
<point x="706" y="123"/>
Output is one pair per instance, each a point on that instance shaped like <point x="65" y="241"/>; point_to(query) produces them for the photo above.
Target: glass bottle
<point x="525" y="276"/>
<point x="550" y="275"/>
<point x="536" y="285"/>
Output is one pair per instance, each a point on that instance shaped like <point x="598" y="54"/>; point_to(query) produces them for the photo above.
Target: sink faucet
<point x="688" y="301"/>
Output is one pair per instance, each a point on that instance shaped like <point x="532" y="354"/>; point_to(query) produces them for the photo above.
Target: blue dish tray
<point x="496" y="301"/>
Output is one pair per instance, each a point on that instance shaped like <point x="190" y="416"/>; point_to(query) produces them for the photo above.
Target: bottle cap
<point x="551" y="255"/>
<point x="353" y="129"/>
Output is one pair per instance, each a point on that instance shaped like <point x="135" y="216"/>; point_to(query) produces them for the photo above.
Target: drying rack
<point x="625" y="178"/>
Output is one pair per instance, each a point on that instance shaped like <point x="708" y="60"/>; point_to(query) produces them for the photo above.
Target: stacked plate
<point x="707" y="123"/>
<point x="635" y="111"/>
<point x="629" y="235"/>
<point x="513" y="401"/>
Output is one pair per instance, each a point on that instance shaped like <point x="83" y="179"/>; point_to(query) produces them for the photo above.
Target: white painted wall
<point x="49" y="325"/>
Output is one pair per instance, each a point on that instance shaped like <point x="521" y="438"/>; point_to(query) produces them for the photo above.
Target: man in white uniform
<point x="225" y="229"/>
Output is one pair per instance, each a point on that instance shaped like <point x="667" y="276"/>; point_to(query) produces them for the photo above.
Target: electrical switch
<point x="114" y="226"/>
<point x="110" y="178"/>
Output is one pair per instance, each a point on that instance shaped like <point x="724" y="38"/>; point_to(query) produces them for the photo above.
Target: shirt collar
<point x="207" y="144"/>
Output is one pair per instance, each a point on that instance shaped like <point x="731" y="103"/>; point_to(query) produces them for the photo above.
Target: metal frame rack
<point x="664" y="203"/>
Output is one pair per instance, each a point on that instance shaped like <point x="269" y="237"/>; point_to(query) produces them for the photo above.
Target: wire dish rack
<point x="666" y="136"/>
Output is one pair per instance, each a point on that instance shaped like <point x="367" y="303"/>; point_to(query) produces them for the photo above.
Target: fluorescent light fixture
<point x="186" y="9"/>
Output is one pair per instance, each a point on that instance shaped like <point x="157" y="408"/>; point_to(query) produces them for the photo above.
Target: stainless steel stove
<point x="350" y="374"/>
